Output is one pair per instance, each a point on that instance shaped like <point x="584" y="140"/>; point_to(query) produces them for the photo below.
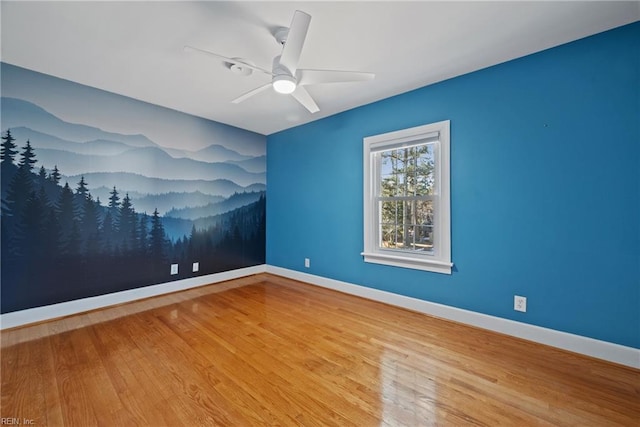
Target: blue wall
<point x="545" y="189"/>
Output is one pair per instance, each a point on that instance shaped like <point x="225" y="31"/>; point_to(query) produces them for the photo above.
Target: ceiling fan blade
<point x="302" y="96"/>
<point x="314" y="77"/>
<point x="225" y="59"/>
<point x="295" y="40"/>
<point x="251" y="93"/>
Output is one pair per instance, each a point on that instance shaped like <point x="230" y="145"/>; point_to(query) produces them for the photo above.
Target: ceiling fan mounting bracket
<point x="281" y="35"/>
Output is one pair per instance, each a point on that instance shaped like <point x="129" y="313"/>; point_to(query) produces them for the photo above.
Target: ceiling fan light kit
<point x="284" y="84"/>
<point x="286" y="78"/>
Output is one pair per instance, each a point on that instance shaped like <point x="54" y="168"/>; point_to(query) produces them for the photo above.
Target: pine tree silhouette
<point x="82" y="189"/>
<point x="157" y="239"/>
<point x="127" y="225"/>
<point x="42" y="194"/>
<point x="143" y="240"/>
<point x="90" y="225"/>
<point x="27" y="157"/>
<point x="8" y="150"/>
<point x="108" y="233"/>
<point x="20" y="187"/>
<point x="42" y="175"/>
<point x="114" y="200"/>
<point x="55" y="175"/>
<point x="66" y="211"/>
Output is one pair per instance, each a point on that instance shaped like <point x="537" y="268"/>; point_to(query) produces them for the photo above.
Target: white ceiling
<point x="136" y="48"/>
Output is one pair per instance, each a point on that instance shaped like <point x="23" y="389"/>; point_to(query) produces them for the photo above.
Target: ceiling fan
<point x="286" y="77"/>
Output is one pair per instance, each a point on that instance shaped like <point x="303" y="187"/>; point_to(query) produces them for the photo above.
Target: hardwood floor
<point x="265" y="350"/>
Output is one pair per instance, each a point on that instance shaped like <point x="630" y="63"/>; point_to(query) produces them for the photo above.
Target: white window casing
<point x="435" y="256"/>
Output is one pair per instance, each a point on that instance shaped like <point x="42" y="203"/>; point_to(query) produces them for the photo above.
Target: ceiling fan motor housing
<point x="283" y="80"/>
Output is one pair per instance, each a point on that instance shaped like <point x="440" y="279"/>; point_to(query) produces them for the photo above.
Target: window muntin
<point x="407" y="198"/>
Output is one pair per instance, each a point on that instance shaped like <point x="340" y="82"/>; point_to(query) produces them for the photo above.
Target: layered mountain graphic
<point x="190" y="184"/>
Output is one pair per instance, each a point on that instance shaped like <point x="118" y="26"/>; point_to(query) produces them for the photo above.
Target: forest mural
<point x="102" y="193"/>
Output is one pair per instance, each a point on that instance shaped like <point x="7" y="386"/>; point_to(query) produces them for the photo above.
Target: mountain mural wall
<point x="102" y="193"/>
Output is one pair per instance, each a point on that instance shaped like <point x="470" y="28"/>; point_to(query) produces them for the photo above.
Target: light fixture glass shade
<point x="284" y="84"/>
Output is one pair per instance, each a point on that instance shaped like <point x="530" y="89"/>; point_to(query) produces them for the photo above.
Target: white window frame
<point x="440" y="260"/>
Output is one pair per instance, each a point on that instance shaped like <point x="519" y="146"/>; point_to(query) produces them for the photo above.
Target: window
<point x="406" y="198"/>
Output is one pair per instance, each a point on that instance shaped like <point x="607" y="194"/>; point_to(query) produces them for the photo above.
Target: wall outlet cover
<point x="520" y="303"/>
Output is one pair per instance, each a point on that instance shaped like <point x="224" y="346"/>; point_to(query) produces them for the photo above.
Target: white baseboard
<point x="616" y="353"/>
<point x="48" y="312"/>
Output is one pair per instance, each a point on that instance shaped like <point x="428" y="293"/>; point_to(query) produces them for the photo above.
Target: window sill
<point x="408" y="262"/>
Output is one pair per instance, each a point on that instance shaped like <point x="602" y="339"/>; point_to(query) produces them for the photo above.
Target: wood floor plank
<point x="26" y="390"/>
<point x="76" y="407"/>
<point x="47" y="373"/>
<point x="266" y="350"/>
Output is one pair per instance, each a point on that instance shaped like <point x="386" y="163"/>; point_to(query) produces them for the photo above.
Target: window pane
<point x="424" y="238"/>
<point x="406" y="225"/>
<point x="407" y="171"/>
<point x="425" y="218"/>
<point x="390" y="174"/>
<point x="424" y="212"/>
<point x="389" y="237"/>
<point x="390" y="212"/>
<point x="403" y="236"/>
<point x="423" y="169"/>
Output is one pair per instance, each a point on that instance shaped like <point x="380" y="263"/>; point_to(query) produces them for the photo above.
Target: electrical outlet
<point x="174" y="269"/>
<point x="520" y="303"/>
<point x="196" y="266"/>
<point x="307" y="262"/>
